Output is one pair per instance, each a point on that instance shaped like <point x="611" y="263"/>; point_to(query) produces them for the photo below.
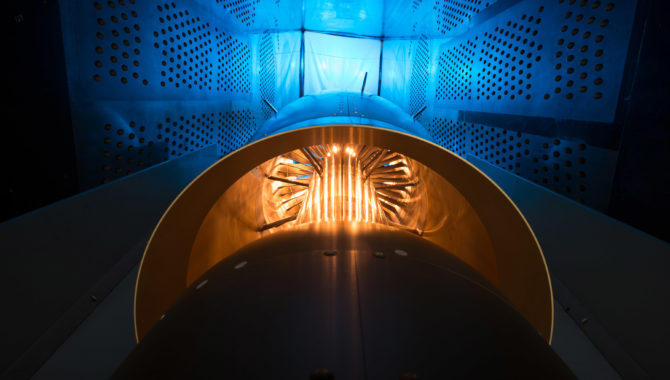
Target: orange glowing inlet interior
<point x="351" y="183"/>
<point x="341" y="192"/>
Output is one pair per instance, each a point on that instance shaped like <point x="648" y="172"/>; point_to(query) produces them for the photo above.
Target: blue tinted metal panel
<point x="453" y="16"/>
<point x="560" y="59"/>
<point x="267" y="72"/>
<point x="150" y="80"/>
<point x="152" y="51"/>
<point x="577" y="170"/>
<point x="420" y="74"/>
<point x="434" y="18"/>
<point x="341" y="108"/>
<point x="118" y="138"/>
<point x="244" y="11"/>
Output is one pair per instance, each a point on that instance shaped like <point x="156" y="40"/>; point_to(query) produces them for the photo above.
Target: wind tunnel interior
<point x="567" y="94"/>
<point x="536" y="88"/>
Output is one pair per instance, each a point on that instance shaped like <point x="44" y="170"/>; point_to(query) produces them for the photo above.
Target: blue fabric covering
<point x="335" y="63"/>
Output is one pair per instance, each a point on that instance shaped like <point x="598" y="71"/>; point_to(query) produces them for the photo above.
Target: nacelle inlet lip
<point x="522" y="273"/>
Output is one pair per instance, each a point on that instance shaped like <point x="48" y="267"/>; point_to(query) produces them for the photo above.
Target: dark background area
<point x="641" y="189"/>
<point x="39" y="159"/>
<point x="38" y="156"/>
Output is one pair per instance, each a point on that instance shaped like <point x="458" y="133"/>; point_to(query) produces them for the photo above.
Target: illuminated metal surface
<point x="332" y="183"/>
<point x="340" y="298"/>
<point x="341" y="108"/>
<point x="206" y="222"/>
<point x="122" y="126"/>
<point x="119" y="54"/>
<point x="450" y="221"/>
<point x="560" y="59"/>
<point x="550" y="118"/>
<point x="150" y="81"/>
<point x="574" y="169"/>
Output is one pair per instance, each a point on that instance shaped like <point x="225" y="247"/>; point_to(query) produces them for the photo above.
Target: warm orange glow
<point x="332" y="183"/>
<point x="339" y="190"/>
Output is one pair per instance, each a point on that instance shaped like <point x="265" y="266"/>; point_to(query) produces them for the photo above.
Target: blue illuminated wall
<point x="568" y="94"/>
<point x="530" y="86"/>
<point x="152" y="80"/>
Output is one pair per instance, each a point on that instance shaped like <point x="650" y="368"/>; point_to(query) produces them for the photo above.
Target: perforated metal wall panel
<point x="243" y="10"/>
<point x="130" y="49"/>
<point x="541" y="59"/>
<point x="548" y="59"/>
<point x="132" y="65"/>
<point x="268" y="70"/>
<point x="552" y="58"/>
<point x="454" y="14"/>
<point x="435" y="18"/>
<point x="420" y="76"/>
<point x="576" y="170"/>
<point x="152" y="80"/>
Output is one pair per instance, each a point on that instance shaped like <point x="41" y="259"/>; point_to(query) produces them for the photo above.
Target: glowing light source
<point x="344" y="183"/>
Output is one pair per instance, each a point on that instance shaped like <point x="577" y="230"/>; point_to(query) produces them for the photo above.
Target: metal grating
<point x="117" y="50"/>
<point x="192" y="53"/>
<point x="184" y="51"/>
<point x="235" y="130"/>
<point x="420" y="75"/>
<point x="268" y="71"/>
<point x="150" y="81"/>
<point x="134" y="146"/>
<point x="562" y="59"/>
<point x="450" y="14"/>
<point x="243" y="10"/>
<point x="234" y="57"/>
<point x="573" y="169"/>
<point x="455" y="72"/>
<point x="128" y="149"/>
<point x="186" y="45"/>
